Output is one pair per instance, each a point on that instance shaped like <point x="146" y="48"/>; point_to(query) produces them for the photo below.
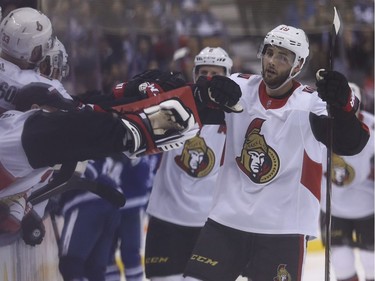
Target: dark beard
<point x="274" y="83"/>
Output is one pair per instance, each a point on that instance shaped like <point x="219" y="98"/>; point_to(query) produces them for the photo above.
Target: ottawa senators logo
<point x="342" y="173"/>
<point x="196" y="159"/>
<point x="258" y="160"/>
<point x="282" y="274"/>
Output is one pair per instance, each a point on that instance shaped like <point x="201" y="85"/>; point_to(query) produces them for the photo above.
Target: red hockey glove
<point x="218" y="92"/>
<point x="333" y="88"/>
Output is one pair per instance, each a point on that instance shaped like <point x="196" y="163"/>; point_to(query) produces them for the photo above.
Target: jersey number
<point x="7" y="92"/>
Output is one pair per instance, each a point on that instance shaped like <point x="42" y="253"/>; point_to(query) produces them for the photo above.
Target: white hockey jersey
<point x="16" y="174"/>
<point x="271" y="177"/>
<point x="352" y="179"/>
<point x="13" y="78"/>
<point x="184" y="184"/>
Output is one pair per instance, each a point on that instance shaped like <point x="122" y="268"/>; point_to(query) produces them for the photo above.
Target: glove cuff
<point x="134" y="137"/>
<point x="352" y="103"/>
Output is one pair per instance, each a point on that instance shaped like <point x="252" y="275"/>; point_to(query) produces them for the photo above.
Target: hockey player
<point x="89" y="227"/>
<point x="135" y="177"/>
<point x="266" y="207"/>
<point x="33" y="141"/>
<point x="26" y="38"/>
<point x="55" y="64"/>
<point x="352" y="207"/>
<point x="184" y="184"/>
<point x="223" y="94"/>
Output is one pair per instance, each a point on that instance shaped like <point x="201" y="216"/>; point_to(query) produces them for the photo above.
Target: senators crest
<point x="282" y="274"/>
<point x="258" y="160"/>
<point x="342" y="173"/>
<point x="196" y="159"/>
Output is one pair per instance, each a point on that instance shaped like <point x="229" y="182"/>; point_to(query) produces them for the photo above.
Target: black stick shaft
<point x="333" y="33"/>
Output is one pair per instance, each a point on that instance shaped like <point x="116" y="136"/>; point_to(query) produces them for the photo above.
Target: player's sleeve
<point x="50" y="138"/>
<point x="350" y="135"/>
<point x="58" y="137"/>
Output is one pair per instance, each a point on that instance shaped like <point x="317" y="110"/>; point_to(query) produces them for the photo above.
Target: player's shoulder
<point x="242" y="76"/>
<point x="305" y="92"/>
<point x="246" y="79"/>
<point x="303" y="88"/>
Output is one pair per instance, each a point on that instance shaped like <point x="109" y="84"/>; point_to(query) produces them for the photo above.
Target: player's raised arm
<point x="51" y="137"/>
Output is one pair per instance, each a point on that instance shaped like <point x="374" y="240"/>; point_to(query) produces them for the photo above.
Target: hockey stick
<point x="333" y="34"/>
<point x="65" y="173"/>
<point x="66" y="180"/>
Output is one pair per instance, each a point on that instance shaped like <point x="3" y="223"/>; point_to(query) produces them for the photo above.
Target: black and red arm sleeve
<point x="58" y="137"/>
<point x="350" y="135"/>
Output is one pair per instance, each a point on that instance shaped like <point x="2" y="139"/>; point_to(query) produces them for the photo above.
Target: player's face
<point x="210" y="70"/>
<point x="277" y="63"/>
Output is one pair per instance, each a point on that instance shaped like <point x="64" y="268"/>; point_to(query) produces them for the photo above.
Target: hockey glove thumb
<point x="333" y="88"/>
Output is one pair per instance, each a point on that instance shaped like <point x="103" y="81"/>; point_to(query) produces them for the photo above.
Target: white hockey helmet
<point x="26" y="34"/>
<point x="213" y="56"/>
<point x="290" y="38"/>
<point x="57" y="60"/>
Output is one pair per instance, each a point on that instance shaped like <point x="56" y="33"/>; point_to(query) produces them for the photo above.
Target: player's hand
<point x="219" y="90"/>
<point x="333" y="88"/>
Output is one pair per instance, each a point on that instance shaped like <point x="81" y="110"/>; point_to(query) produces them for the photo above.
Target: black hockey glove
<point x="137" y="85"/>
<point x="218" y="92"/>
<point x="333" y="88"/>
<point x="33" y="229"/>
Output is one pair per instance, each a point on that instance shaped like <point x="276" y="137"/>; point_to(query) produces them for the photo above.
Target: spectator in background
<point x="113" y="63"/>
<point x="9" y="5"/>
<point x="83" y="33"/>
<point x="208" y="24"/>
<point x="144" y="57"/>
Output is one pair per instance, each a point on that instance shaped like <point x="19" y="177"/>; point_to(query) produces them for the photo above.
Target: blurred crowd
<point x="110" y="41"/>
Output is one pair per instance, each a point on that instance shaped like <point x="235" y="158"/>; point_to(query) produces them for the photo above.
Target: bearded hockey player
<point x="266" y="207"/>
